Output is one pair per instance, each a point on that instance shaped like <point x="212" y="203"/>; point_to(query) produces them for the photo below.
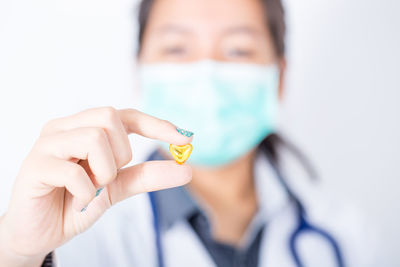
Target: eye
<point x="174" y="51"/>
<point x="240" y="53"/>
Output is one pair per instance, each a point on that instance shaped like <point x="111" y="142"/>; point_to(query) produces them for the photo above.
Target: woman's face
<point x="224" y="30"/>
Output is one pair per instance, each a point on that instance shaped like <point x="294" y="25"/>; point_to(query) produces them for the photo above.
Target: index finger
<point x="118" y="124"/>
<point x="146" y="125"/>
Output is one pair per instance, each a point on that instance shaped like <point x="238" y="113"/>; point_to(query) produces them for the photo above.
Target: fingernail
<point x="184" y="132"/>
<point x="84" y="208"/>
<point x="99" y="191"/>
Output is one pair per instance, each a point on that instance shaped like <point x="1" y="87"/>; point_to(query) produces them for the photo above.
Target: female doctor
<point x="212" y="68"/>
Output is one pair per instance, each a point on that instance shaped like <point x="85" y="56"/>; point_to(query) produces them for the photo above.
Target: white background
<point x="342" y="102"/>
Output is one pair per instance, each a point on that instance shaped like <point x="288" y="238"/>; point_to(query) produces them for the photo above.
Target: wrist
<point x="9" y="257"/>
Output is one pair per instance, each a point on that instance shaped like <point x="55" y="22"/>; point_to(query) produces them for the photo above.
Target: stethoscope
<point x="303" y="225"/>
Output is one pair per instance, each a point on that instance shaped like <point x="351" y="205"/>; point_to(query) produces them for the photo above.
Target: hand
<point x="73" y="158"/>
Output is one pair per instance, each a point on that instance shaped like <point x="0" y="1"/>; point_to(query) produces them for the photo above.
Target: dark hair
<point x="274" y="13"/>
<point x="275" y="21"/>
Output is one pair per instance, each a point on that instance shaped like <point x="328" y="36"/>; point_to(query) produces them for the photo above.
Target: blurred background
<point x="341" y="105"/>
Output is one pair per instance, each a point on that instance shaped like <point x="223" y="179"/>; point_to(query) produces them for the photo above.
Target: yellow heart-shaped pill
<point x="180" y="153"/>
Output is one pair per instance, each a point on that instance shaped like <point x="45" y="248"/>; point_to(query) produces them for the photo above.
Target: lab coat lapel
<point x="182" y="247"/>
<point x="274" y="250"/>
<point x="279" y="215"/>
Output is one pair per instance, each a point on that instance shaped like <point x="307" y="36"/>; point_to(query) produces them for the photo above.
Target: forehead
<point x="206" y="15"/>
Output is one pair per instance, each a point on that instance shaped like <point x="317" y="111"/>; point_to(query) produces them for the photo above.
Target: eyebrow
<point x="242" y="29"/>
<point x="173" y="28"/>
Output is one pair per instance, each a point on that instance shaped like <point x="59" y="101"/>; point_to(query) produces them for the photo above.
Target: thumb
<point x="146" y="177"/>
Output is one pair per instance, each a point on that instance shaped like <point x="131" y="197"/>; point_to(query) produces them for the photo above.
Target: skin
<point x="73" y="157"/>
<point x="184" y="31"/>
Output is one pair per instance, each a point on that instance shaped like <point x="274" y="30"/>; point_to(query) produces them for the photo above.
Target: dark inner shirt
<point x="176" y="204"/>
<point x="224" y="254"/>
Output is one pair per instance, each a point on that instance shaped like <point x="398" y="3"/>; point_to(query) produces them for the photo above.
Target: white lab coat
<point x="124" y="236"/>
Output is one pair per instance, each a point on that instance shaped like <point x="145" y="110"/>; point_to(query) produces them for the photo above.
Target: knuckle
<point x="45" y="145"/>
<point x="39" y="143"/>
<point x="97" y="135"/>
<point x="40" y="146"/>
<point x="87" y="196"/>
<point x="141" y="178"/>
<point x="113" y="174"/>
<point x="166" y="123"/>
<point x="163" y="121"/>
<point x="129" y="155"/>
<point x="47" y="127"/>
<point x="110" y="115"/>
<point x="75" y="171"/>
<point x="126" y="157"/>
<point x="107" y="177"/>
<point x="133" y="111"/>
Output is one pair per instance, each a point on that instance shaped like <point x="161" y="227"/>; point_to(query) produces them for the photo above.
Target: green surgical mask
<point x="230" y="107"/>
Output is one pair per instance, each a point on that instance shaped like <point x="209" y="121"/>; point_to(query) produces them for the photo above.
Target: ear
<point x="282" y="71"/>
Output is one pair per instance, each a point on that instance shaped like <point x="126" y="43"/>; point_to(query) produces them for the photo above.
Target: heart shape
<point x="180" y="153"/>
